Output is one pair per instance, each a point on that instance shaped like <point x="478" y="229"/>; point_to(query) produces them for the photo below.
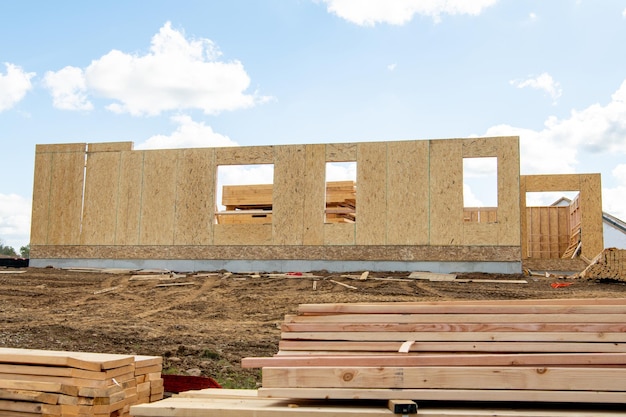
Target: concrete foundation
<point x="181" y="265"/>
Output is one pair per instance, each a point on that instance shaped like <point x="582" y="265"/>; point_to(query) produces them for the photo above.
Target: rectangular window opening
<point x="553" y="226"/>
<point x="244" y="194"/>
<point x="480" y="190"/>
<point x="340" y="204"/>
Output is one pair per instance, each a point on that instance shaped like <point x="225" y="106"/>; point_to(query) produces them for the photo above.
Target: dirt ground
<point x="209" y="324"/>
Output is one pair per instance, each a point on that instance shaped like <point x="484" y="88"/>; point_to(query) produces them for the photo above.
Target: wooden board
<point x="195" y="197"/>
<point x="289" y="189"/>
<point x="129" y="203"/>
<point x="157" y="197"/>
<point x="41" y="197"/>
<point x="102" y="178"/>
<point x="80" y="360"/>
<point x="407" y="199"/>
<point x="446" y="192"/>
<point x="371" y="194"/>
<point x="313" y="221"/>
<point x="448" y="377"/>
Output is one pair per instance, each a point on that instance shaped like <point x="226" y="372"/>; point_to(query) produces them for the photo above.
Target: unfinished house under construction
<point x="107" y="205"/>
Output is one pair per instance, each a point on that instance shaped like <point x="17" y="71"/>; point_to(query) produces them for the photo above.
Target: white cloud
<point x="399" y="12"/>
<point x="599" y="129"/>
<point x="188" y="134"/>
<point x="469" y="198"/>
<point x="176" y="74"/>
<point x="68" y="89"/>
<point x="14" y="85"/>
<point x="392" y="67"/>
<point x="613" y="201"/>
<point x="624" y="13"/>
<point x="14" y="220"/>
<point x="543" y="82"/>
<point x="532" y="16"/>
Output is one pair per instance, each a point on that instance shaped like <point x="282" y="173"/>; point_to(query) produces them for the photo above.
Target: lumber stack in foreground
<point x="568" y="351"/>
<point x="609" y="264"/>
<point x="539" y="358"/>
<point x="75" y="384"/>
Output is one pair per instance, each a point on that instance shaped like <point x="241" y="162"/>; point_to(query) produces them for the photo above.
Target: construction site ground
<point x="204" y="324"/>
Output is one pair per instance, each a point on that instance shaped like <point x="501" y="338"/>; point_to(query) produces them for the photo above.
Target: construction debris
<point x="609" y="264"/>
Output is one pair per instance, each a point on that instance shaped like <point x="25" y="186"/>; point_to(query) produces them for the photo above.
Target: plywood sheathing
<point x="314" y="195"/>
<point x="371" y="193"/>
<point x="288" y="198"/>
<point x="589" y="186"/>
<point x="195" y="207"/>
<point x="129" y="202"/>
<point x="446" y="192"/>
<point x="57" y="206"/>
<point x="407" y="185"/>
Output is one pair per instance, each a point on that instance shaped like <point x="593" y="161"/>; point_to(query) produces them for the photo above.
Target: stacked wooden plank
<point x="245" y="403"/>
<point x="74" y="384"/>
<point x="542" y="350"/>
<point x="609" y="264"/>
<point x="252" y="204"/>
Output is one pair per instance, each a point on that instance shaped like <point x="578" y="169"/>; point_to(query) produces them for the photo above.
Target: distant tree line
<point x="10" y="251"/>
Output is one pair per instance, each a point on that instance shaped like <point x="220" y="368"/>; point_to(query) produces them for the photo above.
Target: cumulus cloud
<point x="13" y="85"/>
<point x="613" y="198"/>
<point x="555" y="149"/>
<point x="68" y="89"/>
<point x="176" y="73"/>
<point x="543" y="82"/>
<point x="399" y="12"/>
<point x="188" y="134"/>
<point x="14" y="220"/>
<point x="624" y="13"/>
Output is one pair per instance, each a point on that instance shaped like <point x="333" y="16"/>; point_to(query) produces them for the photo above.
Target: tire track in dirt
<point x="186" y="298"/>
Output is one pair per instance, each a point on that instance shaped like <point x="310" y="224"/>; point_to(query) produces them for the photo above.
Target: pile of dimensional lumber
<point x="523" y="358"/>
<point x="609" y="264"/>
<point x="56" y="383"/>
<point x="567" y="351"/>
<point x="252" y="204"/>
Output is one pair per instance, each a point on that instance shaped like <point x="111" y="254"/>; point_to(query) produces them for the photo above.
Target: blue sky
<point x="167" y="74"/>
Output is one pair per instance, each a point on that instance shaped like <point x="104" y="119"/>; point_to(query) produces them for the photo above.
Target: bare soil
<point x="209" y="325"/>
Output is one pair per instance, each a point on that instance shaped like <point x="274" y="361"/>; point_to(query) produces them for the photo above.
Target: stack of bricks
<point x="609" y="264"/>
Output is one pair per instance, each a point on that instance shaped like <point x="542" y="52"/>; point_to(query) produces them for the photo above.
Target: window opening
<point x="480" y="190"/>
<point x="340" y="204"/>
<point x="244" y="194"/>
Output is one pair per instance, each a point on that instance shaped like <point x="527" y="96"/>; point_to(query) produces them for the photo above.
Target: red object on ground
<point x="560" y="284"/>
<point x="180" y="383"/>
<point x="295" y="274"/>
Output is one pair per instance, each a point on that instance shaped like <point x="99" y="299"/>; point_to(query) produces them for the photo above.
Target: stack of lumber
<point x="540" y="358"/>
<point x="609" y="264"/>
<point x="252" y="204"/>
<point x="246" y="403"/>
<point x="75" y="384"/>
<point x="528" y="350"/>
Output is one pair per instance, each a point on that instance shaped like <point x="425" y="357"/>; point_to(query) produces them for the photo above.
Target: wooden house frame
<point x="106" y="204"/>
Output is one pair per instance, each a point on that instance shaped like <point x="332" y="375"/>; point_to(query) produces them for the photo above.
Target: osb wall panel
<point x="479" y="233"/>
<point x="341" y="152"/>
<point x="266" y="251"/>
<point x="101" y="193"/>
<point x="129" y="200"/>
<point x="589" y="186"/>
<point x="110" y="147"/>
<point x="339" y="233"/>
<point x="41" y="198"/>
<point x="446" y="192"/>
<point x="314" y="195"/>
<point x="66" y="195"/>
<point x="591" y="215"/>
<point x="195" y="198"/>
<point x="481" y="147"/>
<point x="407" y="199"/>
<point x="289" y="195"/>
<point x="508" y="196"/>
<point x="243" y="234"/>
<point x="237" y="155"/>
<point x="158" y="197"/>
<point x="371" y="193"/>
